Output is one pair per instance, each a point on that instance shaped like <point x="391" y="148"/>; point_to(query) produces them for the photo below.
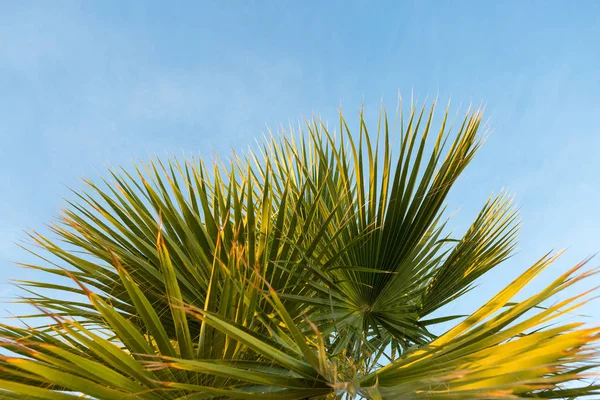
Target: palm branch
<point x="312" y="268"/>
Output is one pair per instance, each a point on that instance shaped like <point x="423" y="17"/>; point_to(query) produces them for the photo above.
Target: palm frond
<point x="306" y="270"/>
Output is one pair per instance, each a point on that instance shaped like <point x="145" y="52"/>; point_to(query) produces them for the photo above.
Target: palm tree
<point x="314" y="268"/>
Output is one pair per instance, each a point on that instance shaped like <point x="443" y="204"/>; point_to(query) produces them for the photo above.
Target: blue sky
<point x="88" y="84"/>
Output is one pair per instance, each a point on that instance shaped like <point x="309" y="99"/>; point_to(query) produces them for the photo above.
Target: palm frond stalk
<point x="313" y="268"/>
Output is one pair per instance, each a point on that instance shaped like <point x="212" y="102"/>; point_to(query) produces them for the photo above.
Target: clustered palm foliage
<point x="309" y="269"/>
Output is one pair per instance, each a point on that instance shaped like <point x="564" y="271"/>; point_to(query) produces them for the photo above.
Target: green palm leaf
<point x="309" y="269"/>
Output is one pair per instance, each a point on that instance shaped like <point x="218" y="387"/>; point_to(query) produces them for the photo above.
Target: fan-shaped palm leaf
<point x="307" y="270"/>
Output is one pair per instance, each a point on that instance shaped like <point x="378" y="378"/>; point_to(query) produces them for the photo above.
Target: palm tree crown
<point x="309" y="269"/>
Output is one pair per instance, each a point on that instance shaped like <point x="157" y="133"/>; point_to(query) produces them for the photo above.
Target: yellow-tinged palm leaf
<point x="496" y="354"/>
<point x="306" y="270"/>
